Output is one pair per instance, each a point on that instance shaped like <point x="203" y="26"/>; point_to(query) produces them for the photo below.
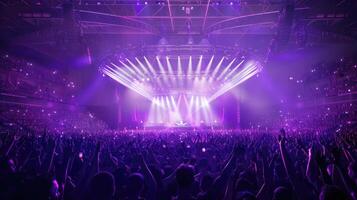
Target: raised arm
<point x="311" y="168"/>
<point x="266" y="191"/>
<point x="12" y="144"/>
<point x="149" y="179"/>
<point x="95" y="161"/>
<point x="222" y="180"/>
<point x="302" y="188"/>
<point x="53" y="151"/>
<point x="170" y="178"/>
<point x="288" y="166"/>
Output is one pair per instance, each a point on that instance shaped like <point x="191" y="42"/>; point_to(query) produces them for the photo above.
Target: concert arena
<point x="178" y="100"/>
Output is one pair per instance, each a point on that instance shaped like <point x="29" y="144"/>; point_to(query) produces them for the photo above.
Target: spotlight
<point x="200" y="79"/>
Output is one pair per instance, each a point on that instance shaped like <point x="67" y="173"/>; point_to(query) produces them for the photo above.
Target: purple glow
<point x="184" y="77"/>
<point x="169" y="111"/>
<point x="166" y="86"/>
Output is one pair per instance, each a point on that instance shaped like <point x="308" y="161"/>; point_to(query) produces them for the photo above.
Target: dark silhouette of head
<point x="185" y="176"/>
<point x="39" y="187"/>
<point x="135" y="184"/>
<point x="282" y="193"/>
<point x="102" y="186"/>
<point x="331" y="192"/>
<point x="243" y="184"/>
<point x="245" y="196"/>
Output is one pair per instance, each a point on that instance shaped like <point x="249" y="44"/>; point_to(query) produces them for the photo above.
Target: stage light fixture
<point x="184" y="85"/>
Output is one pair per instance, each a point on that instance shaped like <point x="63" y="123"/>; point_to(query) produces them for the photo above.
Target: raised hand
<point x="282" y="136"/>
<point x="17" y="137"/>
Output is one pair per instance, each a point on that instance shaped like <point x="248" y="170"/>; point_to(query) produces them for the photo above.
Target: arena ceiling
<point x="40" y="25"/>
<point x="158" y="17"/>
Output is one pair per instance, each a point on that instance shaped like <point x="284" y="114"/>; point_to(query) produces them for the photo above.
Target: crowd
<point x="55" y="119"/>
<point x="332" y="78"/>
<point x="34" y="98"/>
<point x="21" y="77"/>
<point x="179" y="165"/>
<point x="323" y="97"/>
